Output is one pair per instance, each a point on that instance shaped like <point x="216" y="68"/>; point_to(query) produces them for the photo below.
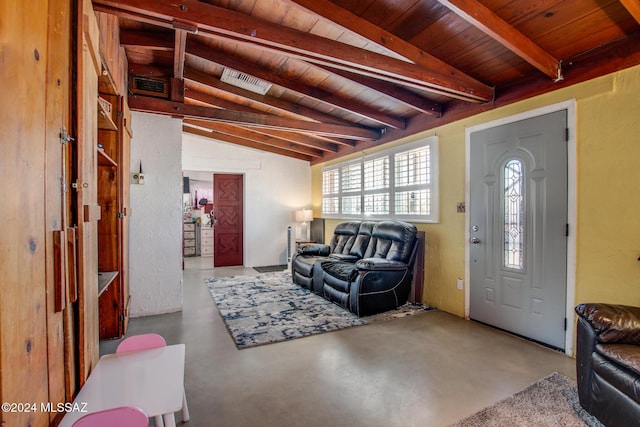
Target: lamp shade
<point x="304" y="215"/>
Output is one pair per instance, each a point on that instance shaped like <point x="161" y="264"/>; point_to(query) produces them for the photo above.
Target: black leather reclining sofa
<point x="608" y="363"/>
<point x="367" y="267"/>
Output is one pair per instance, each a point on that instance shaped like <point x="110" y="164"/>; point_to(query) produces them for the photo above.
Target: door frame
<point x="570" y="107"/>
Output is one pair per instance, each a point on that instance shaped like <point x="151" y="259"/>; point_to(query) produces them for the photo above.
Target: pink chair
<point x="123" y="416"/>
<point x="141" y="342"/>
<point x="146" y="342"/>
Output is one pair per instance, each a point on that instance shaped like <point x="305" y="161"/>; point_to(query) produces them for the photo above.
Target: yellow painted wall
<point x="608" y="193"/>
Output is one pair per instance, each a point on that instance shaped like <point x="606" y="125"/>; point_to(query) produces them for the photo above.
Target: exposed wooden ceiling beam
<point x="383" y="39"/>
<point x="178" y="54"/>
<point x="259" y="137"/>
<point x="197" y="49"/>
<point x="278" y="104"/>
<point x="301" y="112"/>
<point x="495" y="27"/>
<point x="218" y="22"/>
<point x="156" y="40"/>
<point x="307" y="140"/>
<point x="398" y="93"/>
<point x="219" y="102"/>
<point x="304" y="139"/>
<point x="239" y="141"/>
<point x="145" y="70"/>
<point x="161" y="106"/>
<point x="633" y="7"/>
<point x="146" y="40"/>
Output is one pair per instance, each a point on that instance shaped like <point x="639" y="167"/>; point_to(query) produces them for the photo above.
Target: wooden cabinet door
<point x="35" y="86"/>
<point x="124" y="162"/>
<point x="88" y="210"/>
<point x="23" y="305"/>
<point x="60" y="237"/>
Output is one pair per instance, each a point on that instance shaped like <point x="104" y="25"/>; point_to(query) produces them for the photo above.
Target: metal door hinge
<point x="64" y="136"/>
<point x="76" y="185"/>
<point x="120" y="215"/>
<point x="566" y="231"/>
<point x="565" y="323"/>
<point x="566" y="135"/>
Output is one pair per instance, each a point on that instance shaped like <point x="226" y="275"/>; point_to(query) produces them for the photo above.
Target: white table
<point x="152" y="380"/>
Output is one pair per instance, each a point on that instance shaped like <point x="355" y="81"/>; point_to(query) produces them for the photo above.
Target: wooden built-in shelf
<point x="104" y="118"/>
<point x="105" y="278"/>
<point x="106" y="82"/>
<point x="104" y="159"/>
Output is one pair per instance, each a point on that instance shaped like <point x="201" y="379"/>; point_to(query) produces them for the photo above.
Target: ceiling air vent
<point x="245" y="81"/>
<point x="150" y="86"/>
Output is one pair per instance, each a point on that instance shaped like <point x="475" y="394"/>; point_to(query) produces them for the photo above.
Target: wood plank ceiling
<point x="345" y="75"/>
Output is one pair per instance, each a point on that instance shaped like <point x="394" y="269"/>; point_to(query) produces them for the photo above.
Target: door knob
<point x="475" y="240"/>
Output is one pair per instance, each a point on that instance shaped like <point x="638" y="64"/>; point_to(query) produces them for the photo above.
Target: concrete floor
<point x="426" y="370"/>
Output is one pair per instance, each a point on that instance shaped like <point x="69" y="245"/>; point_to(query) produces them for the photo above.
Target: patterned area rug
<point x="551" y="401"/>
<point x="270" y="308"/>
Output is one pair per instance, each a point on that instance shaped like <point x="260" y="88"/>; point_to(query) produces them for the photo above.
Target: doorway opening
<point x="213" y="215"/>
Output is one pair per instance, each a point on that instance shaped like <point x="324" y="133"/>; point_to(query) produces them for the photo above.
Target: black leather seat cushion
<point x="617" y="375"/>
<point x="344" y="271"/>
<point x="627" y="355"/>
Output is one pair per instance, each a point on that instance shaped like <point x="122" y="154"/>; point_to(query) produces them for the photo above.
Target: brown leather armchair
<point x="608" y="363"/>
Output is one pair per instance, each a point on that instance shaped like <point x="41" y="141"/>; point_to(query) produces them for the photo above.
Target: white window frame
<point x="432" y="186"/>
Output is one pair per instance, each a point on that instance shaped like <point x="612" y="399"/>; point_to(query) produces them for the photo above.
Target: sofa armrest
<point x="612" y="323"/>
<point x="318" y="249"/>
<point x="380" y="264"/>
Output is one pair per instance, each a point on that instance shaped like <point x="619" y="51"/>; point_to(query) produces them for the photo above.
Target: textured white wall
<point x="155" y="238"/>
<point x="275" y="186"/>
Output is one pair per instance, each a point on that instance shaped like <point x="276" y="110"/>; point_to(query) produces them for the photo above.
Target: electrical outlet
<point x="459" y="284"/>
<point x="137" y="178"/>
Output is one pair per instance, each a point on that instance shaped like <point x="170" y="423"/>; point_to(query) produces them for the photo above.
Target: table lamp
<point x="303" y="216"/>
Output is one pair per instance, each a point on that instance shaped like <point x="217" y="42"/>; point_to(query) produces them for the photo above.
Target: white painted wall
<point x="155" y="237"/>
<point x="275" y="186"/>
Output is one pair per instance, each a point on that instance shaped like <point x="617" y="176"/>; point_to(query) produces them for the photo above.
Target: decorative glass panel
<point x="514" y="215"/>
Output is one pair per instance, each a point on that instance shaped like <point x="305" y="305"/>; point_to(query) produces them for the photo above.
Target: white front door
<point x="518" y="221"/>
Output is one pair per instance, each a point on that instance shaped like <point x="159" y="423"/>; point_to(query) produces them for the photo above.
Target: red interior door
<point x="229" y="213"/>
